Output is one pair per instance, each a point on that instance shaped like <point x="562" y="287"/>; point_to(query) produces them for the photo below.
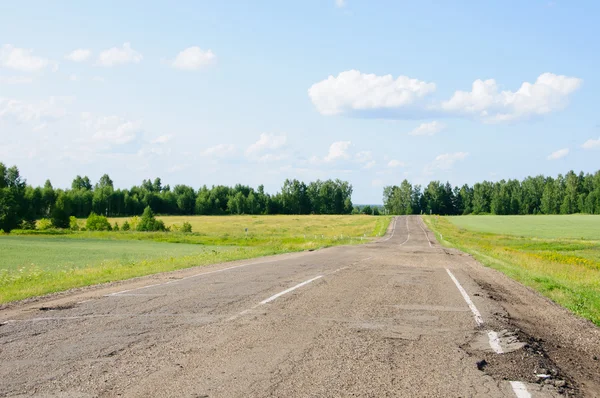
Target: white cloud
<point x="163" y="139"/>
<point x="340" y="3"/>
<point x="99" y="79"/>
<point x="79" y="55"/>
<point x="445" y="161"/>
<point x="355" y="91"/>
<point x="549" y="93"/>
<point x="338" y="150"/>
<point x="193" y="58"/>
<point x="34" y="112"/>
<point x="73" y="78"/>
<point x="561" y="153"/>
<point x="219" y="151"/>
<point x="395" y="163"/>
<point x="377" y="183"/>
<point x="21" y="59"/>
<point x="119" y="56"/>
<point x="15" y="80"/>
<point x="266" y="142"/>
<point x="591" y="144"/>
<point x="430" y="128"/>
<point x="111" y="130"/>
<point x="366" y="158"/>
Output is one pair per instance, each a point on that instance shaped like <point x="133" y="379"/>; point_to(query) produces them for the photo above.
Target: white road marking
<point x="474" y="310"/>
<point x="492" y="336"/>
<point x="495" y="342"/>
<point x="275" y="296"/>
<point x="520" y="389"/>
<point x="393" y="230"/>
<point x="189" y="277"/>
<point x="408" y="233"/>
<point x="425" y="232"/>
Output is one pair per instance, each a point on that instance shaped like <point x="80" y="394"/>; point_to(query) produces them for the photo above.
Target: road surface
<point x="400" y="317"/>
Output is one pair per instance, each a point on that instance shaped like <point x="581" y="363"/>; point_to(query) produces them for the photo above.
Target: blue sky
<point x="256" y="92"/>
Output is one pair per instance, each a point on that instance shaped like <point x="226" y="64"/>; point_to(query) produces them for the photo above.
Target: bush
<point x="28" y="224"/>
<point x="73" y="224"/>
<point x="376" y="211"/>
<point x="149" y="223"/>
<point x="60" y="212"/>
<point x="125" y="226"/>
<point x="135" y="220"/>
<point x="116" y="226"/>
<point x="186" y="227"/>
<point x="97" y="222"/>
<point x="44" y="224"/>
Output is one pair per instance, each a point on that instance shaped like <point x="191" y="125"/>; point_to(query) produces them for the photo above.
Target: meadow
<point x="37" y="263"/>
<point x="559" y="256"/>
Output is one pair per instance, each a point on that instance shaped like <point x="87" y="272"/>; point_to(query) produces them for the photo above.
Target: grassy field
<point x="557" y="255"/>
<point x="32" y="265"/>
<point x="576" y="226"/>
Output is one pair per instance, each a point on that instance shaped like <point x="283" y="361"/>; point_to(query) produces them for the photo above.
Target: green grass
<point x="548" y="227"/>
<point x="33" y="265"/>
<point x="557" y="255"/>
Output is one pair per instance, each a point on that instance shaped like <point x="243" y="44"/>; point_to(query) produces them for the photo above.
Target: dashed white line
<point x="286" y="291"/>
<point x="495" y="342"/>
<point x="189" y="277"/>
<point x="474" y="310"/>
<point x="520" y="389"/>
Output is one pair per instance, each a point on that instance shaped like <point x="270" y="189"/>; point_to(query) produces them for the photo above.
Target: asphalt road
<point x="401" y="317"/>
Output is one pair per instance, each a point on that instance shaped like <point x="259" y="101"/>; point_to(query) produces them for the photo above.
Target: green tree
<point x="149" y="223"/>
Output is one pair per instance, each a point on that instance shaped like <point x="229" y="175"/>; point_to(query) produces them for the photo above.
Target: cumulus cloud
<point x="549" y="93"/>
<point x="219" y="151"/>
<point x="358" y="94"/>
<point x="395" y="163"/>
<point x="445" y="161"/>
<point x="79" y="55"/>
<point x="119" y="56"/>
<point x="430" y="128"/>
<point x="110" y="130"/>
<point x="193" y="58"/>
<point x="355" y="91"/>
<point x="163" y="139"/>
<point x="266" y="142"/>
<point x="561" y="153"/>
<point x="340" y="3"/>
<point x="591" y="144"/>
<point x="338" y="150"/>
<point x="21" y="59"/>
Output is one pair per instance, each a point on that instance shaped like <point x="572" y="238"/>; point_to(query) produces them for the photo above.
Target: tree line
<point x="568" y="194"/>
<point x="21" y="204"/>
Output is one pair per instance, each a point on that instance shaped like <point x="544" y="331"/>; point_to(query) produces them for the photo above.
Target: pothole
<point x="524" y="359"/>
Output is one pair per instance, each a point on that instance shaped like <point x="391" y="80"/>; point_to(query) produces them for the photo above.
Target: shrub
<point x="116" y="226"/>
<point x="60" y="212"/>
<point x="149" y="223"/>
<point x="96" y="222"/>
<point x="73" y="224"/>
<point x="186" y="227"/>
<point x="28" y="224"/>
<point x="44" y="224"/>
<point x="376" y="211"/>
<point x="125" y="226"/>
<point x="135" y="220"/>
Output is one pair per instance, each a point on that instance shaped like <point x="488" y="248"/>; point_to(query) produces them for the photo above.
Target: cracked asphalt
<point x="382" y="319"/>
